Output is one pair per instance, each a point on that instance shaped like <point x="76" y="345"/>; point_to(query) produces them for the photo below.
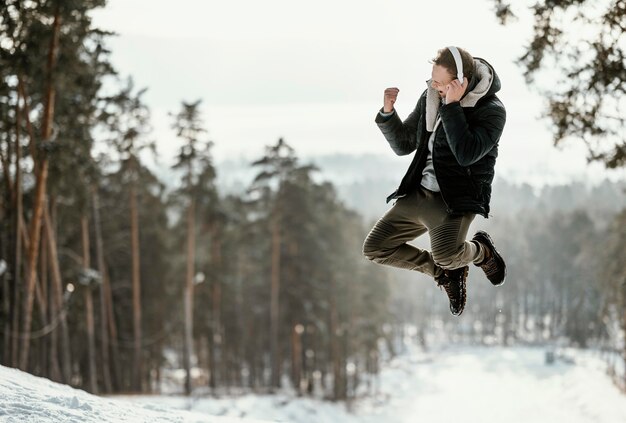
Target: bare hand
<point x="455" y="90"/>
<point x="391" y="94"/>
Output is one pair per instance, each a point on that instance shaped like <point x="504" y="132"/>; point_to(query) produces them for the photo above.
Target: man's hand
<point x="391" y="94"/>
<point x="455" y="90"/>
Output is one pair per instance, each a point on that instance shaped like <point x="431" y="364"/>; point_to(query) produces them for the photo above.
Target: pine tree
<point x="278" y="167"/>
<point x="591" y="71"/>
<point x="197" y="191"/>
<point x="127" y="119"/>
<point x="60" y="32"/>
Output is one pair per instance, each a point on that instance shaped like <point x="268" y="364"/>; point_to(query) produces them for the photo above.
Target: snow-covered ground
<point x="480" y="384"/>
<point x="25" y="398"/>
<point x="458" y="383"/>
<point x="467" y="384"/>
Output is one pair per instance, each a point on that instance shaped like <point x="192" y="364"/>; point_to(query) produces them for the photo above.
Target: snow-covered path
<point x="477" y="384"/>
<point x="457" y="384"/>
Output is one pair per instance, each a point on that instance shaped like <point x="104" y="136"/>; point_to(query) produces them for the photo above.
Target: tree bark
<point x="137" y="371"/>
<point x="55" y="367"/>
<point x="188" y="294"/>
<point x="91" y="340"/>
<point x="243" y="342"/>
<point x="106" y="313"/>
<point x="112" y="327"/>
<point x="40" y="192"/>
<point x="57" y="292"/>
<point x="41" y="301"/>
<point x="296" y="356"/>
<point x="17" y="259"/>
<point x="274" y="302"/>
<point x="216" y="296"/>
<point x="45" y="299"/>
<point x="6" y="242"/>
<point x="335" y="352"/>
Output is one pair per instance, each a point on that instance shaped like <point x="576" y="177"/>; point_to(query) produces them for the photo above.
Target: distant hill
<point x="364" y="181"/>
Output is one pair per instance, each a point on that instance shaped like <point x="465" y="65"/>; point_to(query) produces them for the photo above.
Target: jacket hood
<point x="484" y="82"/>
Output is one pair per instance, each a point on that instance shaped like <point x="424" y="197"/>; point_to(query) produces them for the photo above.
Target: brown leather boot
<point x="493" y="264"/>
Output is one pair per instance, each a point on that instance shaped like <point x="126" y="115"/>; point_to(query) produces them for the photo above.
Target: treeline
<point x="107" y="277"/>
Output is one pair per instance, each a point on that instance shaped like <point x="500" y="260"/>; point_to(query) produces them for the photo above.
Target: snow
<point x="500" y="384"/>
<point x="454" y="383"/>
<point x="26" y="398"/>
<point x="459" y="383"/>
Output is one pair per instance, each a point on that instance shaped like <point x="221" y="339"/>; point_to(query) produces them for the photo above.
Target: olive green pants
<point x="411" y="216"/>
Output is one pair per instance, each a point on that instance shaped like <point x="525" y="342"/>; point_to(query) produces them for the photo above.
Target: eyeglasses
<point x="436" y="85"/>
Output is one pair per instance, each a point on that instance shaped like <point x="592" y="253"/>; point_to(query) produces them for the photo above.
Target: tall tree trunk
<point x="57" y="292"/>
<point x="274" y="303"/>
<point x="134" y="224"/>
<point x="212" y="359"/>
<point x="335" y="352"/>
<point x="6" y="241"/>
<point x="218" y="338"/>
<point x="21" y="238"/>
<point x="296" y="357"/>
<point x="41" y="302"/>
<point x="188" y="294"/>
<point x="216" y="296"/>
<point x="40" y="192"/>
<point x="17" y="259"/>
<point x="243" y="342"/>
<point x="249" y="352"/>
<point x="45" y="300"/>
<point x="107" y="320"/>
<point x="55" y="366"/>
<point x="112" y="327"/>
<point x="91" y="340"/>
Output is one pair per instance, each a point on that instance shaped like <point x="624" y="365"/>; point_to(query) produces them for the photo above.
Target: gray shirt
<point x="429" y="180"/>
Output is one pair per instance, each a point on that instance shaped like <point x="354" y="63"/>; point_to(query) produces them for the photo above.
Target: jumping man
<point x="454" y="131"/>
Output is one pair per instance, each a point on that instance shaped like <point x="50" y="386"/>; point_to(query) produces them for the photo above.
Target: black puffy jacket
<point x="465" y="145"/>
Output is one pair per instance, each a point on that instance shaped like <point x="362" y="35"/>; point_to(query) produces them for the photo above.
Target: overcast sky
<point x="314" y="73"/>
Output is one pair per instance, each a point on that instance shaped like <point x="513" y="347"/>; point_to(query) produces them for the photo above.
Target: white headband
<point x="459" y="63"/>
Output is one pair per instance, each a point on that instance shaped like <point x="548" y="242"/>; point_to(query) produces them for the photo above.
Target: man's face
<point x="440" y="79"/>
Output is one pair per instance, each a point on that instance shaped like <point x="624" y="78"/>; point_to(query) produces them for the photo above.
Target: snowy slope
<point x="26" y="398"/>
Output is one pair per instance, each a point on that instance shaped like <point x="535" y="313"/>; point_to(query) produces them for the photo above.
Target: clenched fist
<point x="391" y="94"/>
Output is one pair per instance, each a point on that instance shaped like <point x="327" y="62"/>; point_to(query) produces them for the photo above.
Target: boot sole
<point x="466" y="272"/>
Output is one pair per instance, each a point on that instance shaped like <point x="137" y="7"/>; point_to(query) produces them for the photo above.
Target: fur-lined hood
<point x="484" y="82"/>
